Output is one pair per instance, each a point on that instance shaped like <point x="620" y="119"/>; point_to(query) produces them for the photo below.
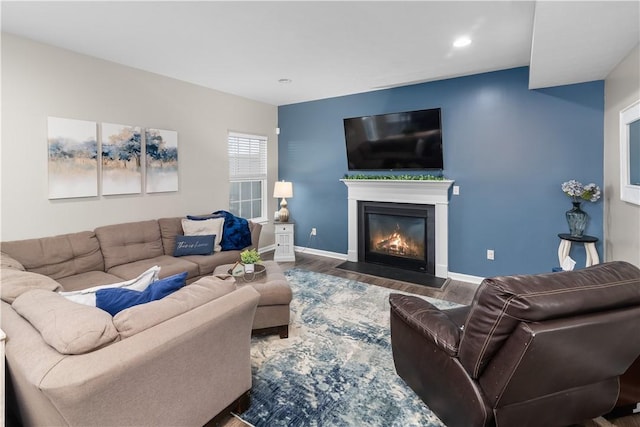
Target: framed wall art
<point x="72" y="158"/>
<point x="161" y="160"/>
<point x="121" y="159"/>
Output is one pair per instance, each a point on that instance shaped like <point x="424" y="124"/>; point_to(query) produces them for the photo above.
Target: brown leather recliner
<point x="534" y="350"/>
<point x="629" y="399"/>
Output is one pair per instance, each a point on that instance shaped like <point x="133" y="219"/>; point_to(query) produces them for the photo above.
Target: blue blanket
<point x="236" y="233"/>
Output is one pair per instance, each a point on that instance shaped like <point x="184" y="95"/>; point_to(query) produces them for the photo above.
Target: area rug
<point x="336" y="367"/>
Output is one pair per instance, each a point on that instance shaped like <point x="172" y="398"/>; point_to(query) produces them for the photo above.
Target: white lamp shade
<point x="283" y="190"/>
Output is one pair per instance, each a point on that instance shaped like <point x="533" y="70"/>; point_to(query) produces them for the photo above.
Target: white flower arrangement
<point x="576" y="190"/>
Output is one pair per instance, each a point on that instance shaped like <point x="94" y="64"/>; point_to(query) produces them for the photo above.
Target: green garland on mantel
<point x="397" y="177"/>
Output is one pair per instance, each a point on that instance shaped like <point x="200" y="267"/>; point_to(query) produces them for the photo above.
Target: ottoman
<point x="272" y="314"/>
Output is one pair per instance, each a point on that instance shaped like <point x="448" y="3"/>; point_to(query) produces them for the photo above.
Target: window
<point x="248" y="176"/>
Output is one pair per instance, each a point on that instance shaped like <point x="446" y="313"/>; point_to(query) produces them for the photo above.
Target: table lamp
<point x="283" y="189"/>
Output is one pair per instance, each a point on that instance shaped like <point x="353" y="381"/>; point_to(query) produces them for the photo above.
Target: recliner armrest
<point x="428" y="320"/>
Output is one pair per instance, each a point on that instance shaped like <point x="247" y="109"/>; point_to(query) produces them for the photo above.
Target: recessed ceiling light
<point x="284" y="81"/>
<point x="462" y="42"/>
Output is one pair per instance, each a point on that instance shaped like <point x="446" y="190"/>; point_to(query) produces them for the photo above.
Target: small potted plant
<point x="249" y="258"/>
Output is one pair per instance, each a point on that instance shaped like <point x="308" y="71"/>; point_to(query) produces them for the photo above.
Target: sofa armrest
<point x="256" y="229"/>
<point x="182" y="371"/>
<point x="431" y="322"/>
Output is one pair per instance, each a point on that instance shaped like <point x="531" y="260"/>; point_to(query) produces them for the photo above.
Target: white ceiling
<point x="330" y="48"/>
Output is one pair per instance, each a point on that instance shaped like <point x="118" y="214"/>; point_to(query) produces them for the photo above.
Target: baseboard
<point x="267" y="249"/>
<point x="476" y="280"/>
<point x="319" y="252"/>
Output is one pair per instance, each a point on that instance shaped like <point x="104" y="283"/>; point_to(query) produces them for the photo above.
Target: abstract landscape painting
<point x="161" y="160"/>
<point x="73" y="158"/>
<point x="121" y="159"/>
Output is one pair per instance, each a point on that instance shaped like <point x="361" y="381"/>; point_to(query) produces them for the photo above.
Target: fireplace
<point x="400" y="235"/>
<point x="419" y="192"/>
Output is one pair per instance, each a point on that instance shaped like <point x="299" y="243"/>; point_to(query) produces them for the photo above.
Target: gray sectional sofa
<point x="180" y="360"/>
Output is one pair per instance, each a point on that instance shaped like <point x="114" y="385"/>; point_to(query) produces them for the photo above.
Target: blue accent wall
<point x="507" y="147"/>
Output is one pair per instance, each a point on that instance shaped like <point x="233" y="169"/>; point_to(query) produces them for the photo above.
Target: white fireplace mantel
<point x="427" y="192"/>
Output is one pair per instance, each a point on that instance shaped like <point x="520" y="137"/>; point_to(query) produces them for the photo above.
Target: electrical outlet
<point x="456" y="190"/>
<point x="314" y="231"/>
<point x="490" y="254"/>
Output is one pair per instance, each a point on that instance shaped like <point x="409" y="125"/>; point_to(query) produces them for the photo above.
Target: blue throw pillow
<point x="114" y="300"/>
<point x="194" y="245"/>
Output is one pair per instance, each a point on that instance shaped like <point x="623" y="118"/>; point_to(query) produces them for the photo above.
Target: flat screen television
<point x="410" y="140"/>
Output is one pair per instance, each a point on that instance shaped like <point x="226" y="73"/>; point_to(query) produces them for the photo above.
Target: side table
<point x="284" y="242"/>
<point x="589" y="247"/>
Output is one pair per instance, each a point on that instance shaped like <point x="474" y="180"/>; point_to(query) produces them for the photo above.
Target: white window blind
<point x="248" y="176"/>
<point x="247" y="157"/>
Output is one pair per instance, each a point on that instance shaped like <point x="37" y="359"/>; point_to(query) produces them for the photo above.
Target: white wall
<point x="40" y="81"/>
<point x="622" y="219"/>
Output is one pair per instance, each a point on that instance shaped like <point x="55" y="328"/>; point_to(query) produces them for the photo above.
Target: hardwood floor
<point x="455" y="291"/>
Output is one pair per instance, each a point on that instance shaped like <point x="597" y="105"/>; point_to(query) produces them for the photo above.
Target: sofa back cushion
<point x="129" y="242"/>
<point x="68" y="327"/>
<point x="501" y="303"/>
<point x="58" y="256"/>
<point x="169" y="229"/>
<point x="140" y="317"/>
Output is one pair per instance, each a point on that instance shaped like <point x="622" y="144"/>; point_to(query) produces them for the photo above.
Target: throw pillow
<point x="115" y="300"/>
<point x="236" y="233"/>
<point x="68" y="327"/>
<point x="14" y="283"/>
<point x="88" y="296"/>
<point x="204" y="228"/>
<point x="194" y="245"/>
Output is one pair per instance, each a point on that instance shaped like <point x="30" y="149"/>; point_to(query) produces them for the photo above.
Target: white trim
<point x="628" y="191"/>
<point x="319" y="252"/>
<point x="427" y="192"/>
<point x="267" y="249"/>
<point x="476" y="280"/>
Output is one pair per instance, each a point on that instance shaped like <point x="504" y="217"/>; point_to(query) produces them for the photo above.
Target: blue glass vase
<point x="577" y="220"/>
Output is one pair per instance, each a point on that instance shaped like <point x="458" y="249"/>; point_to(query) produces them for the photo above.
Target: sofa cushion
<point x="90" y="278"/>
<point x="7" y="261"/>
<point x="138" y="318"/>
<point x="58" y="256"/>
<point x="14" y="283"/>
<point x="168" y="267"/>
<point x="205" y="227"/>
<point x="194" y="245"/>
<point x="502" y="302"/>
<point x="114" y="300"/>
<point x="208" y="263"/>
<point x="68" y="327"/>
<point x="88" y="296"/>
<point x="169" y="229"/>
<point x="129" y="242"/>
